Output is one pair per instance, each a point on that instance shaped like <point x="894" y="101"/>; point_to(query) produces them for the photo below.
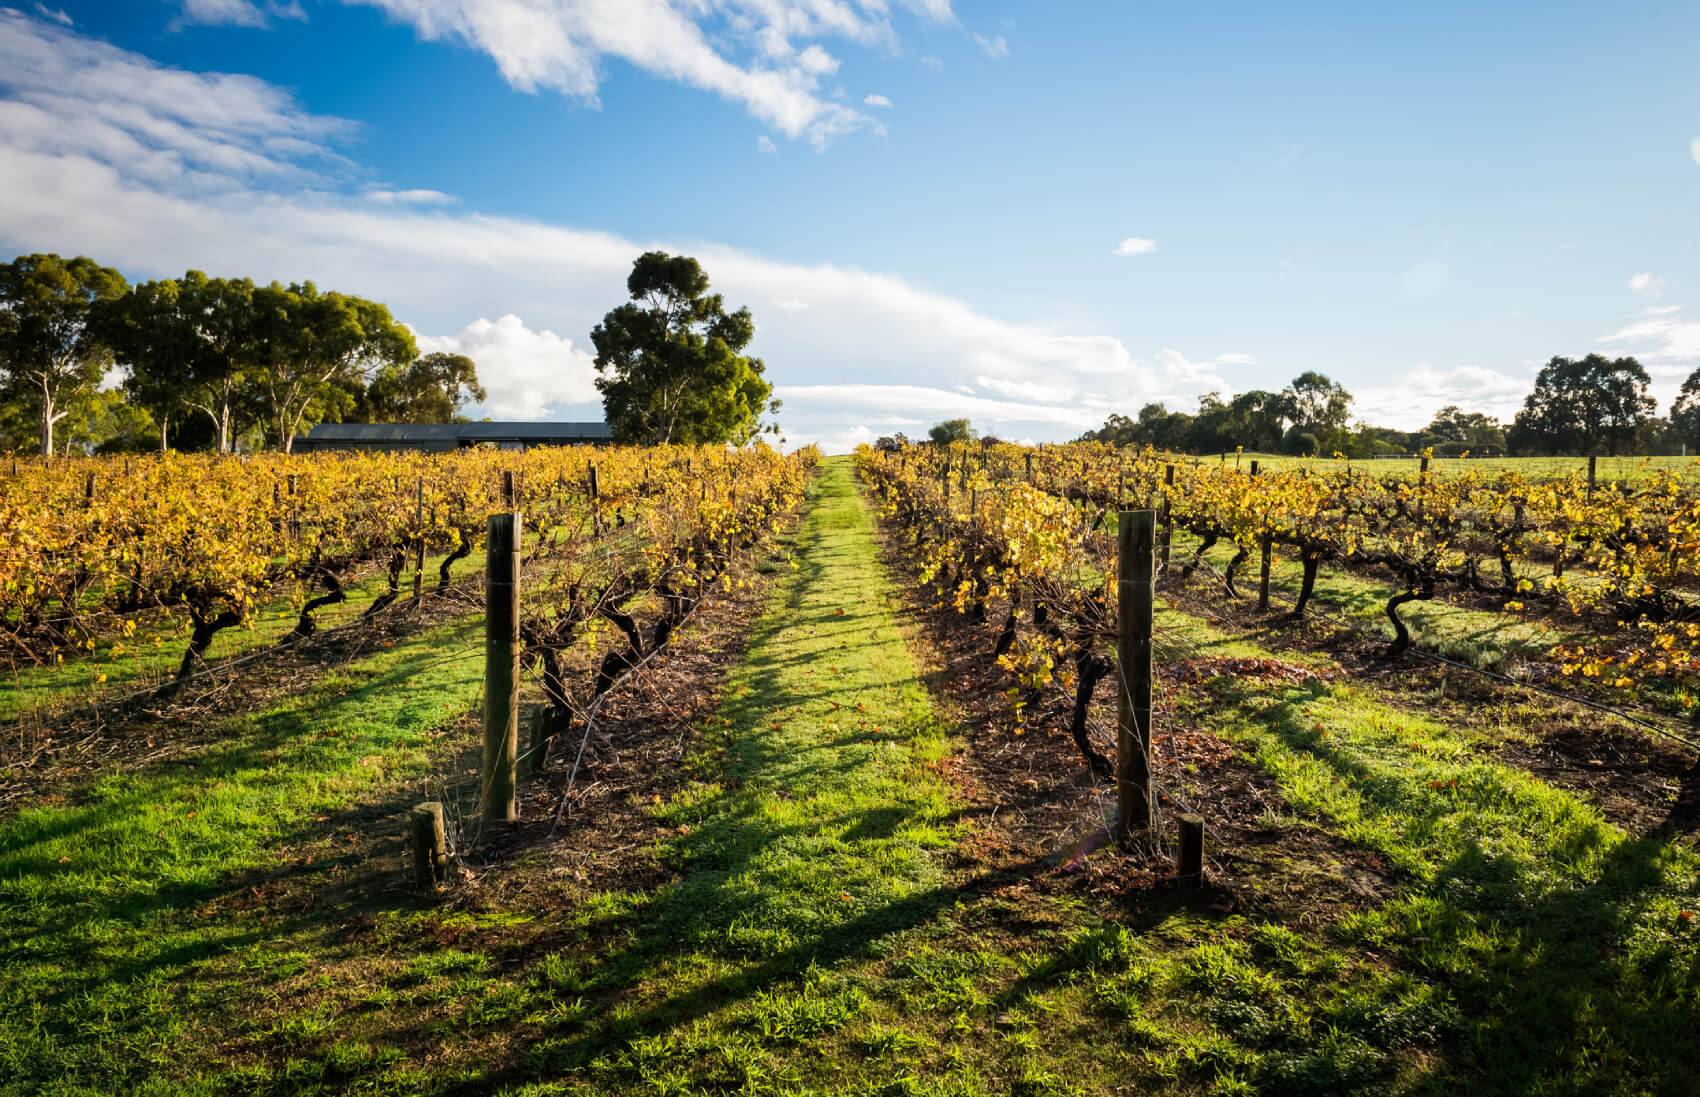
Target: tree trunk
<point x="164" y="421"/>
<point x="46" y="419"/>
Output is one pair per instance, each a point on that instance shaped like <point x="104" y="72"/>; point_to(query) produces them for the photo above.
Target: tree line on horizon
<point x="204" y="363"/>
<point x="219" y="364"/>
<point x="1577" y="407"/>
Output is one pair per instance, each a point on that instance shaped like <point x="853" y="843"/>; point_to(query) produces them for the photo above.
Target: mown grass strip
<point x="1568" y="947"/>
<point x="107" y="902"/>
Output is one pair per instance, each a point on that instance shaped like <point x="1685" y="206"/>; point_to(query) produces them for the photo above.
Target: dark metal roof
<point x="385" y="432"/>
<point x="531" y="430"/>
<point x="457" y="432"/>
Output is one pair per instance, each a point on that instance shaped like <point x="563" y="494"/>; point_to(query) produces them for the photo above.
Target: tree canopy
<point x="951" y="430"/>
<point x="51" y="356"/>
<point x="1581" y="406"/>
<point x="671" y="364"/>
<point x="282" y="357"/>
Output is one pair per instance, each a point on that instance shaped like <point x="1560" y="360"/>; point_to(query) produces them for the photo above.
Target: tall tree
<point x="1317" y="405"/>
<point x="189" y="346"/>
<point x="1581" y="406"/>
<point x="315" y="351"/>
<point x="430" y="389"/>
<point x="50" y="355"/>
<point x="951" y="430"/>
<point x="1685" y="413"/>
<point x="1468" y="429"/>
<point x="671" y="362"/>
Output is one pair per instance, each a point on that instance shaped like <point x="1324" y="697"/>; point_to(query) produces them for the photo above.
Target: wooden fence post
<point x="1135" y="537"/>
<point x="294" y="511"/>
<point x="1591" y="463"/>
<point x="430" y="845"/>
<point x="88" y="492"/>
<point x="419" y="549"/>
<point x="1267" y="545"/>
<point x="1029" y="468"/>
<point x="1189" y="859"/>
<point x="595" y="488"/>
<point x="1168" y="522"/>
<point x="508" y="489"/>
<point x="501" y="668"/>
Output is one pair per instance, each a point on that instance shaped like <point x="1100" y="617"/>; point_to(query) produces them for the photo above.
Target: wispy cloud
<point x="1136" y="245"/>
<point x="1668" y="344"/>
<point x="996" y="48"/>
<point x="763" y="54"/>
<point x="409" y="197"/>
<point x="235" y="13"/>
<point x="154" y="170"/>
<point x="876" y="101"/>
<point x="70" y="96"/>
<point x="1411" y="399"/>
<point x="55" y="14"/>
<point x="764" y="143"/>
<point x="1647" y="285"/>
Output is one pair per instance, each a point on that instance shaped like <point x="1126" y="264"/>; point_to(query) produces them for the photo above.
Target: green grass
<point x="1607" y="469"/>
<point x="1480" y="637"/>
<point x="111" y="904"/>
<point x="799" y="928"/>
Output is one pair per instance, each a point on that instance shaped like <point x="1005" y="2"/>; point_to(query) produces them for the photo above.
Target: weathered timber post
<point x="419" y="547"/>
<point x="88" y="492"/>
<point x="595" y="489"/>
<point x="944" y="478"/>
<point x="1422" y="469"/>
<point x="430" y="845"/>
<point x="1267" y="547"/>
<point x="294" y="511"/>
<point x="1254" y="466"/>
<point x="1168" y="522"/>
<point x="973" y="501"/>
<point x="277" y="507"/>
<point x="1135" y="537"/>
<point x="1591" y="465"/>
<point x="508" y="489"/>
<point x="537" y="741"/>
<point x="1029" y="468"/>
<point x="501" y="668"/>
<point x="1189" y="859"/>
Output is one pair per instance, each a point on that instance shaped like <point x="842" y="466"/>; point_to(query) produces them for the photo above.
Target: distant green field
<point x="1607" y="468"/>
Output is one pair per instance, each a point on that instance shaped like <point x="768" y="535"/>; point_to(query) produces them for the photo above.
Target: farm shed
<point x="444" y="437"/>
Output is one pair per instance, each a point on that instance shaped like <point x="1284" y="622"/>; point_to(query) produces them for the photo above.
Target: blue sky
<point x="921" y="202"/>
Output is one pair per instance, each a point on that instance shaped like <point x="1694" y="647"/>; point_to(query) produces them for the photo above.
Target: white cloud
<point x="996" y="48"/>
<point x="937" y="66"/>
<point x="1409" y="403"/>
<point x="1647" y="285"/>
<point x="764" y="143"/>
<point x="409" y="197"/>
<point x="1135" y="245"/>
<point x="876" y="101"/>
<point x="209" y="174"/>
<point x="529" y="374"/>
<point x="55" y="14"/>
<point x="69" y="96"/>
<point x="236" y="13"/>
<point x="559" y="44"/>
<point x="1667" y="344"/>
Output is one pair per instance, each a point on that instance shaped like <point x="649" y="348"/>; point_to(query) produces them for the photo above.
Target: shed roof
<point x="457" y="432"/>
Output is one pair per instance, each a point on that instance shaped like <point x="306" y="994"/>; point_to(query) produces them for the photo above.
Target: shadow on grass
<point x="1567" y="967"/>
